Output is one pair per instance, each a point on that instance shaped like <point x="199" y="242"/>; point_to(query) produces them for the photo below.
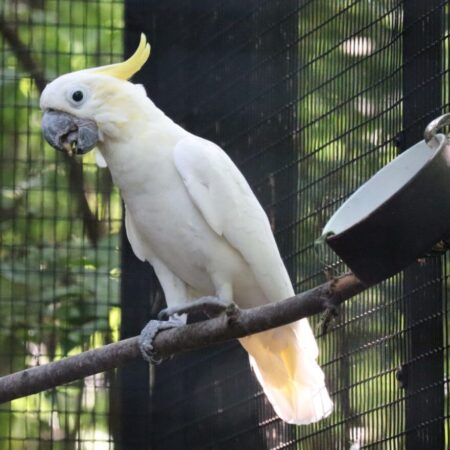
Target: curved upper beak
<point x="69" y="133"/>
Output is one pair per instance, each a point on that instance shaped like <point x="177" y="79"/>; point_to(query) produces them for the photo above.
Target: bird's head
<point x="81" y="107"/>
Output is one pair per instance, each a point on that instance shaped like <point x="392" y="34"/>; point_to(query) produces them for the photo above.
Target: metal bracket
<point x="434" y="126"/>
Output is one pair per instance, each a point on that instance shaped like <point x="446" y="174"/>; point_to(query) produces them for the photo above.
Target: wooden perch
<point x="236" y="323"/>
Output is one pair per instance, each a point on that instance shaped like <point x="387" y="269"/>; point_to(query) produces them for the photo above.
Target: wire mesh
<point x="310" y="98"/>
<point x="59" y="219"/>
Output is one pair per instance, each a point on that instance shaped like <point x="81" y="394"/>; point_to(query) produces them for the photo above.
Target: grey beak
<point x="69" y="133"/>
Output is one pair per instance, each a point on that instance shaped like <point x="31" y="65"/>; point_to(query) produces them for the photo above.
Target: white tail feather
<point x="284" y="362"/>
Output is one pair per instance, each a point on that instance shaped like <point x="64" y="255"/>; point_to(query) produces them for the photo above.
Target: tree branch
<point x="23" y="54"/>
<point x="235" y="324"/>
<point x="93" y="227"/>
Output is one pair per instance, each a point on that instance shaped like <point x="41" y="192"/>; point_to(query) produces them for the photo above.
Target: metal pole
<point x="424" y="370"/>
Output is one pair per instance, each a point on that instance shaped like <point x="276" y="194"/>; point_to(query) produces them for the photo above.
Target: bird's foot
<point x="148" y="336"/>
<point x="211" y="306"/>
<point x="328" y="317"/>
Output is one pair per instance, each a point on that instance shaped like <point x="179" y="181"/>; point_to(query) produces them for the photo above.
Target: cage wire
<point x="60" y="221"/>
<point x="309" y="98"/>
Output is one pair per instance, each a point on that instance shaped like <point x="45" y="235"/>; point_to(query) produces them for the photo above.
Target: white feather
<point x="193" y="216"/>
<point x="226" y="201"/>
<point x="284" y="359"/>
<point x="100" y="161"/>
<point x="134" y="238"/>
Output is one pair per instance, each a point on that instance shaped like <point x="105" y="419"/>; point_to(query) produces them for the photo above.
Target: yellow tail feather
<point x="284" y="362"/>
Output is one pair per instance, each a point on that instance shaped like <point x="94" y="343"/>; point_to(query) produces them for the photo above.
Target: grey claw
<point x="163" y="314"/>
<point x="214" y="306"/>
<point x="328" y="317"/>
<point x="211" y="306"/>
<point x="147" y="337"/>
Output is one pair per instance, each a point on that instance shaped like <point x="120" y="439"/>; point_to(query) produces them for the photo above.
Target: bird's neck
<point x="119" y="119"/>
<point x="142" y="151"/>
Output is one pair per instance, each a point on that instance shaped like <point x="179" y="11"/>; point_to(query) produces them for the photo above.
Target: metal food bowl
<point x="399" y="214"/>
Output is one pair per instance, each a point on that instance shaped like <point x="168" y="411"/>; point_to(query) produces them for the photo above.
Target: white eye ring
<point x="77" y="96"/>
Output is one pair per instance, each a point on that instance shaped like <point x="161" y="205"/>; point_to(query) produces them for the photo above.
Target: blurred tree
<point x="59" y="224"/>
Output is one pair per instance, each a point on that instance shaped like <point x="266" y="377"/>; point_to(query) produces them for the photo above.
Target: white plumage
<point x="198" y="223"/>
<point x="193" y="216"/>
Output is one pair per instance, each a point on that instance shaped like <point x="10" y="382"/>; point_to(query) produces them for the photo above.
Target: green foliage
<point x="349" y="111"/>
<point x="349" y="104"/>
<point x="58" y="293"/>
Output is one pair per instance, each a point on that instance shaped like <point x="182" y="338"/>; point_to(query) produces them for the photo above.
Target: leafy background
<point x="59" y="223"/>
<point x="341" y="63"/>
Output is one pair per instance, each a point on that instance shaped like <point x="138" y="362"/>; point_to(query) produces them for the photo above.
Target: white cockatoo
<point x="192" y="215"/>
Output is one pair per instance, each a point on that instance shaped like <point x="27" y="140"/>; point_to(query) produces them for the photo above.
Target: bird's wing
<point x="228" y="205"/>
<point x="100" y="161"/>
<point x="134" y="238"/>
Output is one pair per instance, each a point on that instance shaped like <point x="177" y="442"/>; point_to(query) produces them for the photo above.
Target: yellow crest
<point x="125" y="70"/>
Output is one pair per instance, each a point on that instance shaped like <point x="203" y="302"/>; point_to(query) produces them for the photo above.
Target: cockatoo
<point x="193" y="216"/>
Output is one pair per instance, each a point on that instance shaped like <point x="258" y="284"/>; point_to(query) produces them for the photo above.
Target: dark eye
<point x="77" y="96"/>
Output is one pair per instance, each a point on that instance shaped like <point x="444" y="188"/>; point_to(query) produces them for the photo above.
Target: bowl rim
<point x="437" y="145"/>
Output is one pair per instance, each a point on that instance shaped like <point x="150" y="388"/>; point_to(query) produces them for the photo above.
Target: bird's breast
<point x="172" y="229"/>
<point x="176" y="233"/>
